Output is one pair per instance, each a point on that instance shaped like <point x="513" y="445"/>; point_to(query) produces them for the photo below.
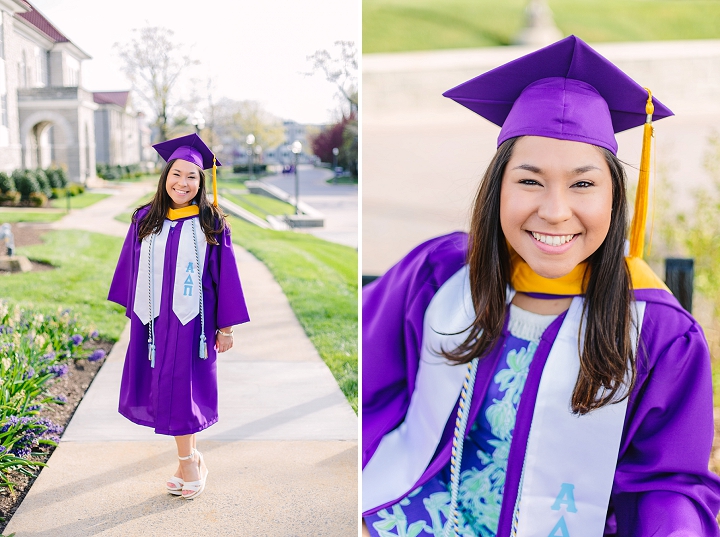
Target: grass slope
<point x="259" y="205"/>
<point x="80" y="201"/>
<point x="38" y="215"/>
<point x="86" y="262"/>
<point x="319" y="279"/>
<point x="403" y="25"/>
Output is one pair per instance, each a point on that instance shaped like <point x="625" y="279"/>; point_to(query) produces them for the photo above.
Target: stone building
<point x="46" y="116"/>
<point x="117" y="129"/>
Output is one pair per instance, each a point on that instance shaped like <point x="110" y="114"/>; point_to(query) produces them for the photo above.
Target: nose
<point x="555" y="206"/>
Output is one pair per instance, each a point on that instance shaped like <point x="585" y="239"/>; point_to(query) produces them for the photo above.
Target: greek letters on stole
<point x="186" y="291"/>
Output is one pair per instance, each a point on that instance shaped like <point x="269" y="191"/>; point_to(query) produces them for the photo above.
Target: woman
<point x="178" y="279"/>
<point x="585" y="405"/>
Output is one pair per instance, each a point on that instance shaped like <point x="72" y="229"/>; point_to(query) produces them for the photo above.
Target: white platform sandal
<point x="195" y="487"/>
<point x="174" y="485"/>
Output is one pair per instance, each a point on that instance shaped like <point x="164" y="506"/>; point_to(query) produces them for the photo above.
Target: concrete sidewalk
<point x="282" y="458"/>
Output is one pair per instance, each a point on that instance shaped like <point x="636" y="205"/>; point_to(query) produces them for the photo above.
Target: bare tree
<point x="154" y="62"/>
<point x="340" y="68"/>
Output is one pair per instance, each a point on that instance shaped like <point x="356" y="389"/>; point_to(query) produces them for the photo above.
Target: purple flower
<point x="93" y="334"/>
<point x="99" y="354"/>
<point x="49" y="356"/>
<point x="60" y="398"/>
<point x="3" y="449"/>
<point x="30" y="373"/>
<point x="76" y="339"/>
<point x="6" y="329"/>
<point x="34" y="407"/>
<point x="59" y="370"/>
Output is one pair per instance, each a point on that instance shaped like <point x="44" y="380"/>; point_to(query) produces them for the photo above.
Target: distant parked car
<point x="288" y="168"/>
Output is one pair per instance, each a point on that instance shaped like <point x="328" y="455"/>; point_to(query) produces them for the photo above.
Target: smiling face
<point x="555" y="203"/>
<point x="182" y="183"/>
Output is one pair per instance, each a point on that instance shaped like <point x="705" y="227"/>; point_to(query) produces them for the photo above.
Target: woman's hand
<point x="224" y="339"/>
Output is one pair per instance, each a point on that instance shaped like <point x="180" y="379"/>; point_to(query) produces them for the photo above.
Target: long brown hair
<point x="606" y="358"/>
<point x="212" y="220"/>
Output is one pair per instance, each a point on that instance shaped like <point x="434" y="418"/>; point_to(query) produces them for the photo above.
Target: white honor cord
<point x="203" y="342"/>
<point x="151" y="288"/>
<point x="457" y="448"/>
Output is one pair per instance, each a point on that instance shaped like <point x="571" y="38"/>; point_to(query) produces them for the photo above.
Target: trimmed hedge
<point x="35" y="187"/>
<point x="113" y="173"/>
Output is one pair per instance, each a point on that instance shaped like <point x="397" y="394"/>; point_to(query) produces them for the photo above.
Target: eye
<point x="529" y="182"/>
<point x="584" y="184"/>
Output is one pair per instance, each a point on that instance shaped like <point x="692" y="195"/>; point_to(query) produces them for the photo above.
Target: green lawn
<point x="86" y="262"/>
<point x="126" y="217"/>
<point x="259" y="205"/>
<point x="403" y="25"/>
<point x="31" y="215"/>
<point x="320" y="280"/>
<point x="80" y="201"/>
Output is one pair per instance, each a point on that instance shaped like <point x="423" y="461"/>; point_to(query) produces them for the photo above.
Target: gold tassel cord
<point x="215" y="196"/>
<point x="639" y="221"/>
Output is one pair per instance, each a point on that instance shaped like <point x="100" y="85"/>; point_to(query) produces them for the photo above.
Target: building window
<point x="40" y="68"/>
<point x="3" y="110"/>
<point x="72" y="68"/>
<point x="22" y="71"/>
<point x="2" y="37"/>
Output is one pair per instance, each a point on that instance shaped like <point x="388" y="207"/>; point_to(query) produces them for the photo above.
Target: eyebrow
<point x="576" y="171"/>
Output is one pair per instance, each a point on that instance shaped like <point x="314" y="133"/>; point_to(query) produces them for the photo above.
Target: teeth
<point x="552" y="240"/>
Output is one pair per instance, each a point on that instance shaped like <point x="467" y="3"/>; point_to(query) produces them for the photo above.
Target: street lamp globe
<point x="250" y="140"/>
<point x="296" y="147"/>
<point x="198" y="121"/>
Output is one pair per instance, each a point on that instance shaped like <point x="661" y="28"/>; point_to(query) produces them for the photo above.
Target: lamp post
<point x="258" y="153"/>
<point x="297" y="149"/>
<point x="336" y="152"/>
<point x="250" y="140"/>
<point x="198" y="121"/>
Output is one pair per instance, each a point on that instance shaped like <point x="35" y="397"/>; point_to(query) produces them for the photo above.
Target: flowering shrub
<point x="35" y="348"/>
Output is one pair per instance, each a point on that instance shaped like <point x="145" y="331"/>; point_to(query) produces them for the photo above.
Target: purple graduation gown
<point x="662" y="483"/>
<point x="179" y="395"/>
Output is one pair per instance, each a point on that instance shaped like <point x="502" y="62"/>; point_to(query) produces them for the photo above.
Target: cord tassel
<point x="639" y="221"/>
<point x="214" y="177"/>
<point x="203" y="347"/>
<point x="151" y="353"/>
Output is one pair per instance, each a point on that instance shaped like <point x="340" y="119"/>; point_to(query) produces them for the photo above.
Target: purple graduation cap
<point x="565" y="90"/>
<point x="190" y="148"/>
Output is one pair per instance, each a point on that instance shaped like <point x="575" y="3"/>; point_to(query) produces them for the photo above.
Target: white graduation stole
<point x="186" y="292"/>
<point x="557" y="481"/>
<point x="570" y="459"/>
<point x="405" y="452"/>
<point x="141" y="306"/>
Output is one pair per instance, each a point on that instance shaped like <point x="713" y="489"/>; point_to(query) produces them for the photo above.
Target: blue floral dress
<point x="485" y="454"/>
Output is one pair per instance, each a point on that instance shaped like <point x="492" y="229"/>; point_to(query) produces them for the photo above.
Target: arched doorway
<point x="46" y="139"/>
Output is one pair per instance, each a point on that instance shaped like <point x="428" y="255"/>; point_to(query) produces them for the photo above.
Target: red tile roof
<point x="119" y="98"/>
<point x="39" y="21"/>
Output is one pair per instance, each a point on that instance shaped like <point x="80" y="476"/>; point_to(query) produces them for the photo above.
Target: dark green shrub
<point x="56" y="177"/>
<point x="244" y="168"/>
<point x="43" y="182"/>
<point x="26" y="183"/>
<point x="6" y="183"/>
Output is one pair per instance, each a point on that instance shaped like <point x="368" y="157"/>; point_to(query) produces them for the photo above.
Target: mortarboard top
<point x="190" y="148"/>
<point x="565" y="90"/>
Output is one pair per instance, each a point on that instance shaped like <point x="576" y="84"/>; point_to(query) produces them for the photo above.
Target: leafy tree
<point x="153" y="62"/>
<point x="234" y="120"/>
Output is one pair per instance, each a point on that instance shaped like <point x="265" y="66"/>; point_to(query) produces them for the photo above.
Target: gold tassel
<point x="215" y="197"/>
<point x="639" y="221"/>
